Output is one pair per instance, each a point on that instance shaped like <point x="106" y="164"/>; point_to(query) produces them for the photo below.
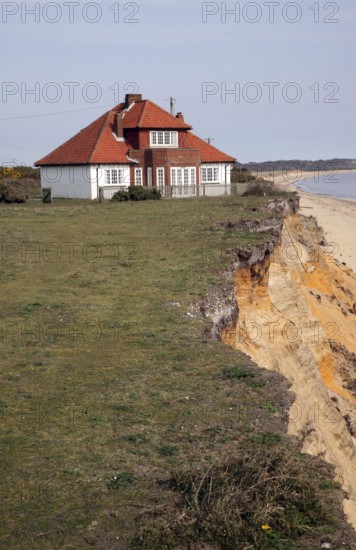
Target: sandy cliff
<point x="295" y="313"/>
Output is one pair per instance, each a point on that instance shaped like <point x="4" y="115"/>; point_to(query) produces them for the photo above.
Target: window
<point x="180" y="176"/>
<point x="163" y="139"/>
<point x="114" y="176"/>
<point x="210" y="174"/>
<point x="149" y="177"/>
<point x="160" y="178"/>
<point x="138" y="176"/>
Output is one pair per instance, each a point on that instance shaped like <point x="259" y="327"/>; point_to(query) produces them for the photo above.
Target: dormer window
<point x="162" y="138"/>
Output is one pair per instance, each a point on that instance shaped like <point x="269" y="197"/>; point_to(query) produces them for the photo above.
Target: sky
<point x="265" y="80"/>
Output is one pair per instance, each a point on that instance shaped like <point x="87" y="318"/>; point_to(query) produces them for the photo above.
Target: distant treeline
<point x="304" y="165"/>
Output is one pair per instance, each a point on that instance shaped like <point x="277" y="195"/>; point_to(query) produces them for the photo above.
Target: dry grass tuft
<point x="264" y="498"/>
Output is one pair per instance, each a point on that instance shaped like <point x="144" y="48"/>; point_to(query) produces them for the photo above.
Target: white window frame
<point x="149" y="176"/>
<point x="185" y="175"/>
<point x="114" y="176"/>
<point x="210" y="174"/>
<point x="160" y="177"/>
<point x="138" y="176"/>
<point x="163" y="138"/>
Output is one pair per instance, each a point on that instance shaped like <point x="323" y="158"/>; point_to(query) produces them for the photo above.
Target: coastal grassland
<point x="110" y="393"/>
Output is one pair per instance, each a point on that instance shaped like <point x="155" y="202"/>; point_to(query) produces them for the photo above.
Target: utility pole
<point x="172" y="102"/>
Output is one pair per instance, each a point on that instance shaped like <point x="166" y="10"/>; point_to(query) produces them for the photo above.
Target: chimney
<point x="118" y="125"/>
<point x="180" y="116"/>
<point x="131" y="98"/>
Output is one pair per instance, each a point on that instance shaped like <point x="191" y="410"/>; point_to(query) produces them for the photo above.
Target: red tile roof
<point x="146" y="114"/>
<point x="208" y="153"/>
<point x="94" y="144"/>
<point x="97" y="144"/>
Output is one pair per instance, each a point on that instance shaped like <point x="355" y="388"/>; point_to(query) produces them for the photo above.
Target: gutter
<point x="132" y="160"/>
<point x="97" y="182"/>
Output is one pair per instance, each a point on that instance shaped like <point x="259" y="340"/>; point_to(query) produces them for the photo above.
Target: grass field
<point x="107" y="386"/>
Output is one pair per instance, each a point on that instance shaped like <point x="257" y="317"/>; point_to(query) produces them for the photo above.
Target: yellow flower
<point x="265" y="527"/>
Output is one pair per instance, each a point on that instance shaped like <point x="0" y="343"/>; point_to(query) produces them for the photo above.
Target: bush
<point x="137" y="193"/>
<point x="261" y="188"/>
<point x="140" y="193"/>
<point x="12" y="193"/>
<point x="120" y="196"/>
<point x="241" y="175"/>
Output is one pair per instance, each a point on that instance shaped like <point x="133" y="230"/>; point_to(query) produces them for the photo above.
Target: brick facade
<point x="164" y="158"/>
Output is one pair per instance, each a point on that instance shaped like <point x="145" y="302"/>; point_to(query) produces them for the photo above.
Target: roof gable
<point x="146" y="114"/>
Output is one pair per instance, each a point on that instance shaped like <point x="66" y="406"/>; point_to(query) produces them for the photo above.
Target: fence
<point x="181" y="191"/>
<point x="106" y="193"/>
<point x="205" y="190"/>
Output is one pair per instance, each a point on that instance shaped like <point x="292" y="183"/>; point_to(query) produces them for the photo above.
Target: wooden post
<point x="47" y="195"/>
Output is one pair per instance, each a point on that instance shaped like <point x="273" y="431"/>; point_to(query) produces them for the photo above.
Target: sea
<point x="335" y="184"/>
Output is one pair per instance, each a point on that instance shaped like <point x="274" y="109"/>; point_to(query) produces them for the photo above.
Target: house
<point x="136" y="143"/>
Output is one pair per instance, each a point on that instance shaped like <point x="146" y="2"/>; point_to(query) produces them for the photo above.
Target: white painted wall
<point x="69" y="182"/>
<point x="82" y="182"/>
<point x="223" y="186"/>
<point x="214" y="189"/>
<point x="79" y="182"/>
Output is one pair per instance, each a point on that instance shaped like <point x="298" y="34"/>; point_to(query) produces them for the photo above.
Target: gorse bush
<point x="12" y="193"/>
<point x="137" y="193"/>
<point x="19" y="172"/>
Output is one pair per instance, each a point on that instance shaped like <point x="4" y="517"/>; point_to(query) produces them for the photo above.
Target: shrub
<point x="137" y="193"/>
<point x="260" y="188"/>
<point x="140" y="193"/>
<point x="120" y="196"/>
<point x="12" y="193"/>
<point x="241" y="175"/>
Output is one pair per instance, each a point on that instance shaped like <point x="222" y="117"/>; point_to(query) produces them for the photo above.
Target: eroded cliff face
<point x="295" y="313"/>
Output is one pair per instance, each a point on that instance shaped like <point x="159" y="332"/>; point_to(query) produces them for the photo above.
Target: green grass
<point x="105" y="375"/>
<point x="237" y="373"/>
<point x="123" y="479"/>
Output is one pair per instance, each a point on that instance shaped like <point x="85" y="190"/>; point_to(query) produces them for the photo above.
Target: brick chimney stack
<point x="118" y="126"/>
<point x="180" y="116"/>
<point x="131" y="98"/>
